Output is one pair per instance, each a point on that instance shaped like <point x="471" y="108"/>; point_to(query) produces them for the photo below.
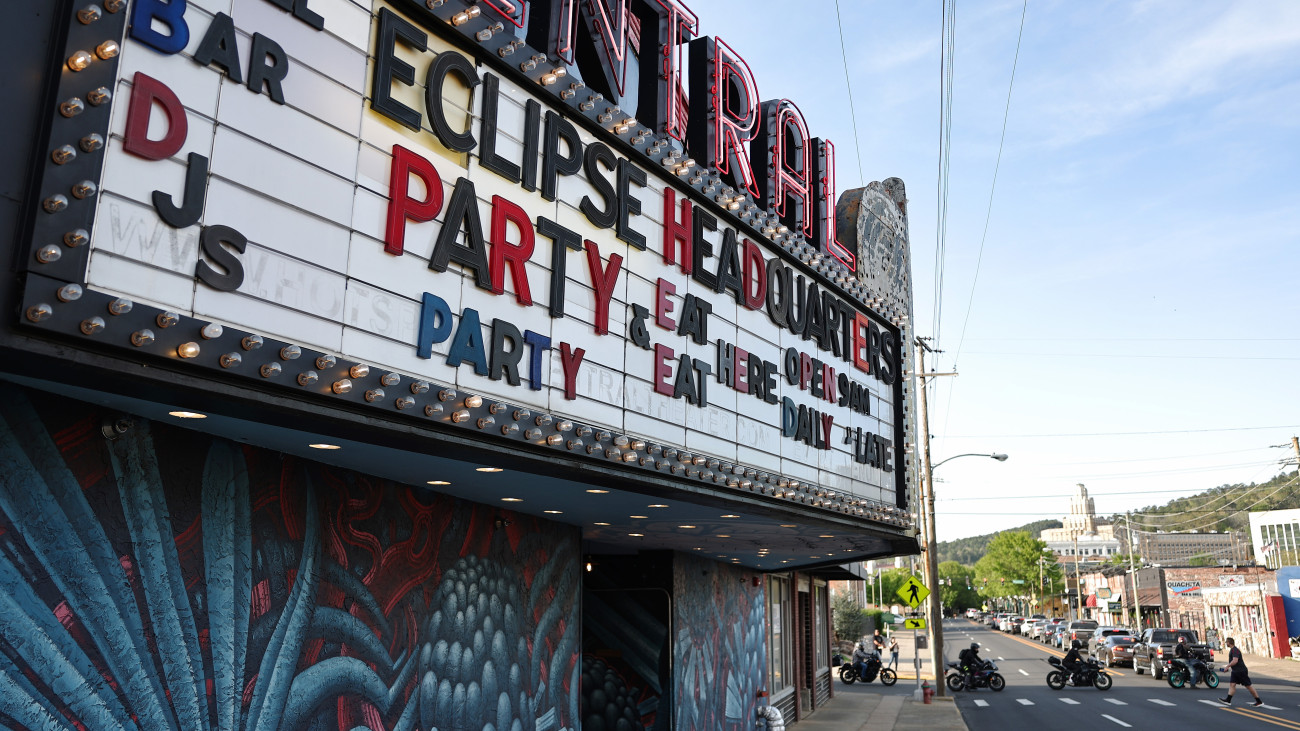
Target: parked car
<point x="1050" y="628"/>
<point x="1033" y="626"/>
<point x="1101" y="633"/>
<point x="1114" y="650"/>
<point x="1010" y="622"/>
<point x="1155" y="649"/>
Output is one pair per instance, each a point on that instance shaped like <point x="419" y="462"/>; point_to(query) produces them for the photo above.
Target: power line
<point x="1109" y="356"/>
<point x="947" y="49"/>
<point x="848" y="85"/>
<point x="988" y="214"/>
<point x="1058" y="496"/>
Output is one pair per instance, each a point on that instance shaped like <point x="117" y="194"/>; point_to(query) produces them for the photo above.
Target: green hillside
<point x="969" y="550"/>
<point x="1221" y="508"/>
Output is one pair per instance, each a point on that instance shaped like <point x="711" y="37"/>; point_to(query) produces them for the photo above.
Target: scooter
<point x="1092" y="673"/>
<point x="986" y="677"/>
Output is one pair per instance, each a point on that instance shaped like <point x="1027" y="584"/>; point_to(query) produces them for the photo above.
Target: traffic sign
<point x="914" y="624"/>
<point x="913" y="592"/>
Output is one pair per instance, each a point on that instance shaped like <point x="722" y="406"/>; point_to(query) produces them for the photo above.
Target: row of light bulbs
<point x="446" y="403"/>
<point x="739" y="203"/>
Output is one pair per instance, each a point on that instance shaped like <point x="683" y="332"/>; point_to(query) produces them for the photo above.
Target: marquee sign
<point x="447" y="211"/>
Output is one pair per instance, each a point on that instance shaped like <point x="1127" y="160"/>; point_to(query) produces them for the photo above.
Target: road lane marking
<point x="1116" y="720"/>
<point x="1022" y="672"/>
<point x="1002" y="659"/>
<point x="1024" y="701"/>
<point x="1271" y="708"/>
<point x="1070" y="701"/>
<point x="1216" y="704"/>
<point x="1256" y="715"/>
<point x="1116" y="702"/>
<point x="1159" y="702"/>
<point x="982" y="704"/>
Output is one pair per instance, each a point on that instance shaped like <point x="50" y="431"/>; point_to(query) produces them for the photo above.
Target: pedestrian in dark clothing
<point x="878" y="642"/>
<point x="1239" y="675"/>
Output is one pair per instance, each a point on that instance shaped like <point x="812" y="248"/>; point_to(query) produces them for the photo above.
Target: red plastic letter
<point x="145" y="90"/>
<point x="677" y="233"/>
<point x="401" y="205"/>
<point x="663" y="371"/>
<point x="517" y="254"/>
<point x="571" y="359"/>
<point x="602" y="280"/>
<point x="663" y="305"/>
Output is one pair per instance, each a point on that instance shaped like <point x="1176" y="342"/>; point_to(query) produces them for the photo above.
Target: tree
<point x="847" y="618"/>
<point x="885" y="592"/>
<point x="1014" y="557"/>
<point x="955" y="586"/>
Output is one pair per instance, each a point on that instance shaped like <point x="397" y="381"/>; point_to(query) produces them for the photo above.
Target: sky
<point x="1130" y="319"/>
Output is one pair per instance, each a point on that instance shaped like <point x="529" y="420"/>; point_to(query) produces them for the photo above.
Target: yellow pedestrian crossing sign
<point x="914" y="623"/>
<point x="913" y="592"/>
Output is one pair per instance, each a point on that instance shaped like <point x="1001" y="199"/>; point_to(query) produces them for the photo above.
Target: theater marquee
<point x="572" y="225"/>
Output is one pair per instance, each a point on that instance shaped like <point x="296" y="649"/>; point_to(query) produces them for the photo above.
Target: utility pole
<point x="1132" y="549"/>
<point x="931" y="554"/>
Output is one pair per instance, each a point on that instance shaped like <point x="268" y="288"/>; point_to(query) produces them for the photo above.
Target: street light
<point x="935" y="621"/>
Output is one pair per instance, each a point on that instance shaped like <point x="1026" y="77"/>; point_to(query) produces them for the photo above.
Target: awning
<point x="1091" y="601"/>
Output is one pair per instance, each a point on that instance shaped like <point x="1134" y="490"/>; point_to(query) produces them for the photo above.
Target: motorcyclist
<point x="1183" y="651"/>
<point x="1073" y="661"/>
<point x="969" y="661"/>
<point x="860" y="658"/>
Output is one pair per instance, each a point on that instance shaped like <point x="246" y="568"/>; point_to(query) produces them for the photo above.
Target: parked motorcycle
<point x="1091" y="673"/>
<point x="987" y="676"/>
<point x="1180" y="674"/>
<point x="849" y="673"/>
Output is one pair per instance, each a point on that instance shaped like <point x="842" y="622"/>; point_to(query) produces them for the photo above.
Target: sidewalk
<point x="1275" y="668"/>
<point x="866" y="710"/>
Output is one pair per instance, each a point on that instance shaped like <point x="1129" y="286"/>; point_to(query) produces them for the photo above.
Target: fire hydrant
<point x="926" y="691"/>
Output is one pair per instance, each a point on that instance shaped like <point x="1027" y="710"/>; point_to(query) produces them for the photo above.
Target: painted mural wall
<point x="719" y="652"/>
<point x="169" y="580"/>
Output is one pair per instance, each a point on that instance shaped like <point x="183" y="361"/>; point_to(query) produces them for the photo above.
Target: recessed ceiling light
<point x="323" y="446"/>
<point x="729" y="515"/>
<point x="487" y="469"/>
<point x="512" y="500"/>
<point x="602" y="523"/>
<point x="657" y="506"/>
<point x="825" y="536"/>
<point x="724" y="535"/>
<point x="637" y="535"/>
<point x="438" y="482"/>
<point x="639" y="517"/>
<point x="685" y="526"/>
<point x="789" y="525"/>
<point x="187" y="415"/>
<point x="554" y="512"/>
<point x="598" y="492"/>
<point x="698" y="548"/>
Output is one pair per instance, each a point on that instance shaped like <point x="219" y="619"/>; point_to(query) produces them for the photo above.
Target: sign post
<point x="913" y="592"/>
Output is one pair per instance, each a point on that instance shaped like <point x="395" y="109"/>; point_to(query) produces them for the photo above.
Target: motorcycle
<point x="1180" y="674"/>
<point x="1091" y="673"/>
<point x="985" y="677"/>
<point x="849" y="673"/>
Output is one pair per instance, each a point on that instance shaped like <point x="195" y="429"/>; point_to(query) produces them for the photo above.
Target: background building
<point x="1082" y="533"/>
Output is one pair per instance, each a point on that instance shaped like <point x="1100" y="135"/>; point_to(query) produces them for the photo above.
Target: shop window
<point x="1222" y="617"/>
<point x="780" y="636"/>
<point x="819" y="627"/>
<point x="1252" y="619"/>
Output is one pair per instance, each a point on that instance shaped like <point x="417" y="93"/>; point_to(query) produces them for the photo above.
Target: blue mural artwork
<point x="720" y="654"/>
<point x="169" y="580"/>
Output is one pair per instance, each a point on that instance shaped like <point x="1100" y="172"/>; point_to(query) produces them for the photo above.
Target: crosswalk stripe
<point x="1116" y="720"/>
<point x="1271" y="708"/>
<point x="1116" y="702"/>
<point x="1159" y="702"/>
<point x="1070" y="701"/>
<point x="982" y="704"/>
<point x="1216" y="704"/>
<point x="1022" y="671"/>
<point x="1024" y="701"/>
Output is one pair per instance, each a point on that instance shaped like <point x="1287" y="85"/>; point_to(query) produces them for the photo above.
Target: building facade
<point x="1082" y="533"/>
<point x="1275" y="537"/>
<point x="406" y="365"/>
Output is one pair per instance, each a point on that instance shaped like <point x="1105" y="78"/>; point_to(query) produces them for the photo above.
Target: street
<point x="1135" y="701"/>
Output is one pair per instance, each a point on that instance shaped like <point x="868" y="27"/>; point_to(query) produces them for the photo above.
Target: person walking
<point x="893" y="652"/>
<point x="1239" y="675"/>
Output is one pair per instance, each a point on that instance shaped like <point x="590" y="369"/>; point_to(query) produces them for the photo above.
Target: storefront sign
<point x="481" y="229"/>
<point x="1185" y="589"/>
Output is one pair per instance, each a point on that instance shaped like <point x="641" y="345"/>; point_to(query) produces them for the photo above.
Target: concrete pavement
<point x="858" y="710"/>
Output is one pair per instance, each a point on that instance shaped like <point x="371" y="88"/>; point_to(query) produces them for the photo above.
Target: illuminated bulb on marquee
<point x="565" y="425"/>
<point x="107" y="50"/>
<point x="341" y="386"/>
<point x="80" y="61"/>
<point x="473" y="402"/>
<point x="211" y="330"/>
<point x="555" y="440"/>
<point x="460" y="415"/>
<point x="188" y="350"/>
<point x="359" y="371"/>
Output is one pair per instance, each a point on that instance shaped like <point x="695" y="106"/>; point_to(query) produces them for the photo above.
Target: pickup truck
<point x="1155" y="648"/>
<point x="1077" y="629"/>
